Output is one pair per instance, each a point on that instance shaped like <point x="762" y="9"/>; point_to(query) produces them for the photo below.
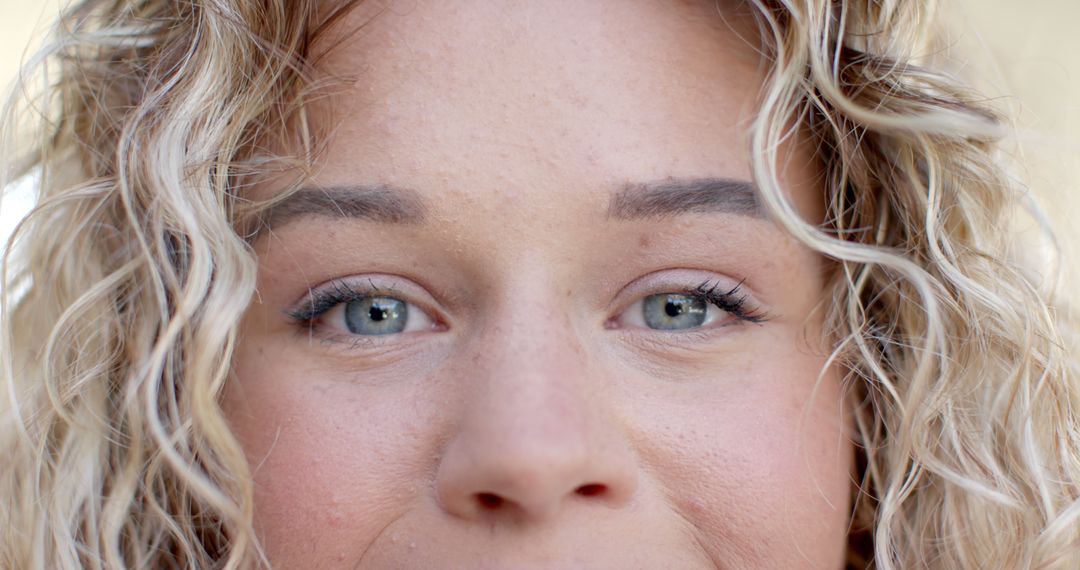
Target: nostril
<point x="489" y="500"/>
<point x="591" y="490"/>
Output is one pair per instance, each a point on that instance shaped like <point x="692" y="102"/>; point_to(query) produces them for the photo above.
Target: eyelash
<point x="320" y="302"/>
<point x="730" y="301"/>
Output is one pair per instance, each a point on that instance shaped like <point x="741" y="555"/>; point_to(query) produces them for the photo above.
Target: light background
<point x="1027" y="55"/>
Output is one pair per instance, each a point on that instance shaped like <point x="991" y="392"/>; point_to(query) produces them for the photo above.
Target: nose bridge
<point x="533" y="438"/>
<point x="544" y="355"/>
<point x="531" y="346"/>
<point x="534" y="375"/>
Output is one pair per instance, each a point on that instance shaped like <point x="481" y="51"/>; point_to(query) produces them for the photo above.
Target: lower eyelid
<point x="337" y="341"/>
<point x="664" y="342"/>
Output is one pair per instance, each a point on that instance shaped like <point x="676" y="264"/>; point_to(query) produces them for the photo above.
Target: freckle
<point x="643" y="241"/>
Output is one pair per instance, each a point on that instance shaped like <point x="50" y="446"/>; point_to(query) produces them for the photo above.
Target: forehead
<point x="494" y="98"/>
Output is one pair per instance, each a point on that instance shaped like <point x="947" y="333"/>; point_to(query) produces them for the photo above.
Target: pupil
<point x="674" y="311"/>
<point x="376" y="315"/>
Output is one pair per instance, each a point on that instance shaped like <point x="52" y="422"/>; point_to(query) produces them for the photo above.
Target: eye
<point x="374" y="315"/>
<point x="671" y="311"/>
<point x="374" y="311"/>
<point x="693" y="308"/>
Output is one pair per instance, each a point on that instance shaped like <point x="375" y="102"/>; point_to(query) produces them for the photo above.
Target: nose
<point x="536" y="439"/>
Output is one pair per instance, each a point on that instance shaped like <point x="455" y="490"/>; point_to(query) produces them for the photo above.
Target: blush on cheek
<point x="763" y="472"/>
<point x="331" y="462"/>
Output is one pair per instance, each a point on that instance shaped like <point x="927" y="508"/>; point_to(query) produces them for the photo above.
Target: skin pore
<point x="538" y="196"/>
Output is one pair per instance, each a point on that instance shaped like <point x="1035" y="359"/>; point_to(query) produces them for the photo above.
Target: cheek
<point x="757" y="459"/>
<point x="325" y="455"/>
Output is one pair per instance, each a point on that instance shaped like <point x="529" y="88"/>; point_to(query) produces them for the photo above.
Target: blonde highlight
<point x="124" y="286"/>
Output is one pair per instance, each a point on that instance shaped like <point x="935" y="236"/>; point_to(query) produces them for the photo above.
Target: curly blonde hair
<point x="123" y="288"/>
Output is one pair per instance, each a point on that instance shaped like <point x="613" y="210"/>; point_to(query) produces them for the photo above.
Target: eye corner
<point x="612" y="323"/>
<point x="305" y="313"/>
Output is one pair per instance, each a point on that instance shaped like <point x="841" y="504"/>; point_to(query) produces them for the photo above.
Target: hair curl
<point x="124" y="286"/>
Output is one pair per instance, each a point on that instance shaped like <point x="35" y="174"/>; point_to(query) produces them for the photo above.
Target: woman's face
<point x="532" y="316"/>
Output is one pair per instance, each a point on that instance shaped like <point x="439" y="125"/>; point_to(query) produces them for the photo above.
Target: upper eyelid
<point x="688" y="292"/>
<point x="657" y="284"/>
<point x="305" y="308"/>
<point x="358" y="287"/>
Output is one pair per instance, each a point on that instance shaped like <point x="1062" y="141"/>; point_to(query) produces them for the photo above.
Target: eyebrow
<point x="676" y="196"/>
<point x="388" y="204"/>
<point x="375" y="203"/>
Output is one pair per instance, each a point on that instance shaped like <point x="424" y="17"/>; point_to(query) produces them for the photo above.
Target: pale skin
<point x="529" y="414"/>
